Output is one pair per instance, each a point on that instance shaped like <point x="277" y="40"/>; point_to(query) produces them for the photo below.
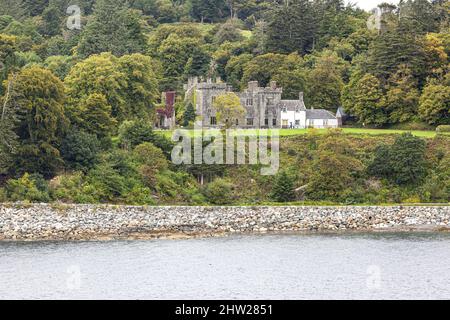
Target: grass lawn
<point x="351" y="131"/>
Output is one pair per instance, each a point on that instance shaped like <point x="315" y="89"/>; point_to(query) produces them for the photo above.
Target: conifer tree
<point x="189" y="115"/>
<point x="113" y="28"/>
<point x="283" y="189"/>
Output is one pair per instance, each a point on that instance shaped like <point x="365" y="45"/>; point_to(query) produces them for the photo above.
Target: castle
<point x="264" y="107"/>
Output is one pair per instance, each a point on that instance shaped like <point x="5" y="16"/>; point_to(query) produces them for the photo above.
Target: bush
<point x="80" y="150"/>
<point x="151" y="160"/>
<point x="219" y="192"/>
<point x="283" y="188"/>
<point x="134" y="133"/>
<point x="3" y="197"/>
<point x="443" y="128"/>
<point x="27" y="188"/>
<point x="72" y="188"/>
<point x="403" y="162"/>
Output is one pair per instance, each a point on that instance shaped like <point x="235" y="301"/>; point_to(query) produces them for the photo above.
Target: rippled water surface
<point x="357" y="266"/>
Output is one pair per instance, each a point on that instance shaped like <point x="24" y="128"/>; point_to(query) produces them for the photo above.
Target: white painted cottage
<point x="295" y="115"/>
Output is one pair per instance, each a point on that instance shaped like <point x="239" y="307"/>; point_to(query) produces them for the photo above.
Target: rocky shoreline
<point x="36" y="222"/>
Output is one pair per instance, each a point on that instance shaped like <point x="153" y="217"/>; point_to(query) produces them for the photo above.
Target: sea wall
<point x="93" y="222"/>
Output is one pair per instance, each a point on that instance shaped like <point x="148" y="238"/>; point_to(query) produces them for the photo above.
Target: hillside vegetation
<point x="82" y="81"/>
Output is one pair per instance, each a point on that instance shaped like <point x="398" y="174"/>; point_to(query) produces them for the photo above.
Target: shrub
<point x="134" y="133"/>
<point x="219" y="192"/>
<point x="403" y="162"/>
<point x="443" y="128"/>
<point x="27" y="188"/>
<point x="72" y="188"/>
<point x="283" y="188"/>
<point x="80" y="150"/>
<point x="3" y="197"/>
<point x="151" y="160"/>
<point x="139" y="195"/>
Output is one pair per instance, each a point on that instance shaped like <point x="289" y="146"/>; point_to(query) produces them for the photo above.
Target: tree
<point x="7" y="56"/>
<point x="113" y="28"/>
<point x="228" y="32"/>
<point x="141" y="92"/>
<point x="59" y="65"/>
<point x="8" y="121"/>
<point x="13" y="8"/>
<point x="369" y="103"/>
<point x="234" y="69"/>
<point x="325" y="82"/>
<point x="151" y="162"/>
<point x="34" y="7"/>
<point x="402" y="96"/>
<point x="291" y="27"/>
<point x="189" y="115"/>
<point x="52" y="21"/>
<point x="228" y="109"/>
<point x="80" y="150"/>
<point x="283" y="188"/>
<point x="208" y="10"/>
<point x="392" y="49"/>
<point x="285" y="69"/>
<point x="403" y="162"/>
<point x="434" y="105"/>
<point x="134" y="133"/>
<point x="39" y="98"/>
<point x="180" y="57"/>
<point x="98" y="74"/>
<point x="94" y="116"/>
<point x="336" y="171"/>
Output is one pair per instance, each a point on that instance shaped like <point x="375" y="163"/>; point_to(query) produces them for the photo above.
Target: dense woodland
<point x="77" y="104"/>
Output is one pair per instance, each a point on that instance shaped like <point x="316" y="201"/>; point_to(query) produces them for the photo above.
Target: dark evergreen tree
<point x="189" y="115"/>
<point x="283" y="188"/>
<point x="208" y="10"/>
<point x="402" y="163"/>
<point x="113" y="28"/>
<point x="292" y="27"/>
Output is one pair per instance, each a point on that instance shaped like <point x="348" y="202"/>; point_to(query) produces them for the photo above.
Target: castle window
<point x="266" y="122"/>
<point x="284" y="110"/>
<point x="237" y="122"/>
<point x="274" y="122"/>
<point x="213" y="121"/>
<point x="249" y="102"/>
<point x="270" y="101"/>
<point x="214" y="99"/>
<point x="249" y="121"/>
<point x="297" y="122"/>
